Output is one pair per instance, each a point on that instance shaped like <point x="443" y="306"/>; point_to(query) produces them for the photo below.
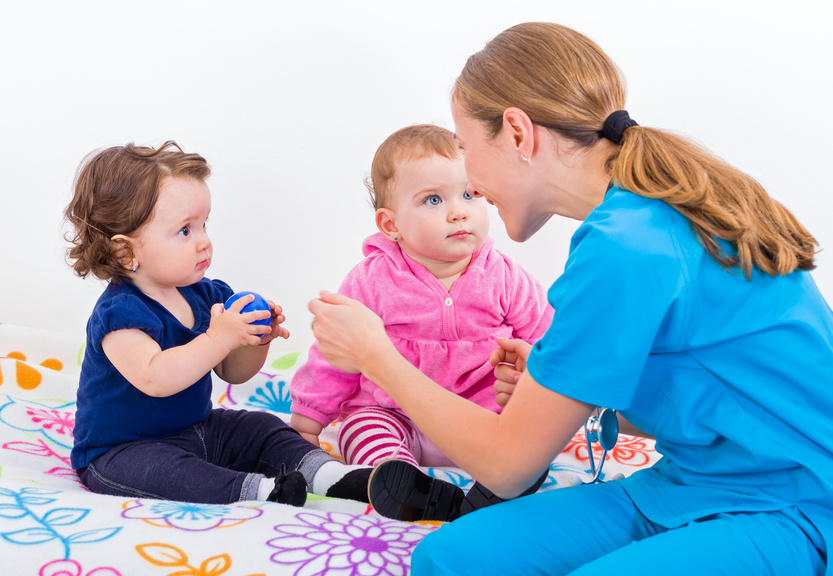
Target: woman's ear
<point x="121" y="247"/>
<point x="386" y="223"/>
<point x="520" y="129"/>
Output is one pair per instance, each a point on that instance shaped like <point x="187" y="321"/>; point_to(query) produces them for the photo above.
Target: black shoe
<point x="480" y="497"/>
<point x="289" y="488"/>
<point x="352" y="486"/>
<point x="401" y="491"/>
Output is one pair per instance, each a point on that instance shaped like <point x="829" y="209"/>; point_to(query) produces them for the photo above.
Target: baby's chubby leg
<point x="372" y="435"/>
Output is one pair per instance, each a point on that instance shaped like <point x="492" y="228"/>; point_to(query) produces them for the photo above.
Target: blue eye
<point x="433" y="200"/>
<point x="467" y="196"/>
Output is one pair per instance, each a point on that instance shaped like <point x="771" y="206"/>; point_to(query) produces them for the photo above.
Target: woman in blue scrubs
<point x="686" y="304"/>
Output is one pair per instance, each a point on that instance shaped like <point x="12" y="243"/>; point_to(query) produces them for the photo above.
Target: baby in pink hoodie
<point x="442" y="290"/>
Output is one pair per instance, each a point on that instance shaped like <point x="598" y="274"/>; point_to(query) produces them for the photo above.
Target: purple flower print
<point x="347" y="545"/>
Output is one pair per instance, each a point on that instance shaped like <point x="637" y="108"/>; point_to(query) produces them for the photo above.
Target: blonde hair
<point x="115" y="192"/>
<point x="565" y="82"/>
<point x="417" y="141"/>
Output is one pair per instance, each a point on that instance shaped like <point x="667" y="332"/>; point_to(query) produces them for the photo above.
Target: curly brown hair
<point x="115" y="192"/>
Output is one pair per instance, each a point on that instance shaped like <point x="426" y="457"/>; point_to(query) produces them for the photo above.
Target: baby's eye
<point x="184" y="231"/>
<point x="433" y="200"/>
<point x="467" y="196"/>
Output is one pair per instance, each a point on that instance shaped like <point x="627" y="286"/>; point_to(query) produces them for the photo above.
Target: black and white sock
<point x="326" y="476"/>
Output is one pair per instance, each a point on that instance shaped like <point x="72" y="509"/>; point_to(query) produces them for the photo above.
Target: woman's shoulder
<point x="626" y="221"/>
<point x="622" y="208"/>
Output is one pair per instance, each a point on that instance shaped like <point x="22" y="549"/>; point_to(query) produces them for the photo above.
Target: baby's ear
<point x="121" y="250"/>
<point x="386" y="223"/>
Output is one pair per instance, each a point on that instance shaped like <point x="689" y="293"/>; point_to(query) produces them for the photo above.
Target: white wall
<point x="288" y="101"/>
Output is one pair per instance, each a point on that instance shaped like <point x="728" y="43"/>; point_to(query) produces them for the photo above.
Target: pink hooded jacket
<point x="447" y="335"/>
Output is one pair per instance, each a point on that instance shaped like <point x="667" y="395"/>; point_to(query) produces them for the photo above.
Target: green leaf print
<point x="286" y="361"/>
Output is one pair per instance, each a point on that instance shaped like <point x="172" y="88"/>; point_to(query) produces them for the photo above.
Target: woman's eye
<point x="184" y="231"/>
<point x="433" y="200"/>
<point x="467" y="196"/>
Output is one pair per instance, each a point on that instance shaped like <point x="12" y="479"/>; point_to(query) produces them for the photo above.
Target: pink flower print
<point x="46" y="418"/>
<point x="41" y="448"/>
<point x="58" y="422"/>
<point x="73" y="568"/>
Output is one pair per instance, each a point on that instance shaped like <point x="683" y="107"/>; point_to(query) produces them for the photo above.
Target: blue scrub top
<point x="733" y="377"/>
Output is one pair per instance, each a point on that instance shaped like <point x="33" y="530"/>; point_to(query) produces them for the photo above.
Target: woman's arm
<point x="505" y="452"/>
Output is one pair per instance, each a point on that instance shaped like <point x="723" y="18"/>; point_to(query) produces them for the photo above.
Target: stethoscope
<point x="601" y="427"/>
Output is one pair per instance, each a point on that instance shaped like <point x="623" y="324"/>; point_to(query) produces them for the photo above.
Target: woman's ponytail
<point x="719" y="201"/>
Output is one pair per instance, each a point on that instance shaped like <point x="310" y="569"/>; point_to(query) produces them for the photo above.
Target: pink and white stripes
<point x="371" y="435"/>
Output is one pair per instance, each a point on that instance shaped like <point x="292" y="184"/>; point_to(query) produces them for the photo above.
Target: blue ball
<point x="259" y="303"/>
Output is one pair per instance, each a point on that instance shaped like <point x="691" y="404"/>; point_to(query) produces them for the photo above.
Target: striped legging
<point x="371" y="435"/>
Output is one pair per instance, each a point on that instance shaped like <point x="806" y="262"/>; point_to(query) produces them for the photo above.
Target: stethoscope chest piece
<point x="601" y="427"/>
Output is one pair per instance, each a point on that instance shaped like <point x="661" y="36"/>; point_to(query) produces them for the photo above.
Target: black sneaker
<point x="289" y="488"/>
<point x="401" y="491"/>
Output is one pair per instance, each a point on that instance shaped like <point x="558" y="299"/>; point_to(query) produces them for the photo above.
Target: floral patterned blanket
<point x="50" y="525"/>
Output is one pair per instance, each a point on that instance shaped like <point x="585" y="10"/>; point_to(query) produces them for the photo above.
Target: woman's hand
<point x="509" y="360"/>
<point x="349" y="334"/>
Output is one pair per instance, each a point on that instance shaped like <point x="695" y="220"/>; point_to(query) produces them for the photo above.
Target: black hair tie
<point x="616" y="124"/>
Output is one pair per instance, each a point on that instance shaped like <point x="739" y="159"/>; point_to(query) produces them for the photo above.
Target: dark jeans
<point x="214" y="462"/>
